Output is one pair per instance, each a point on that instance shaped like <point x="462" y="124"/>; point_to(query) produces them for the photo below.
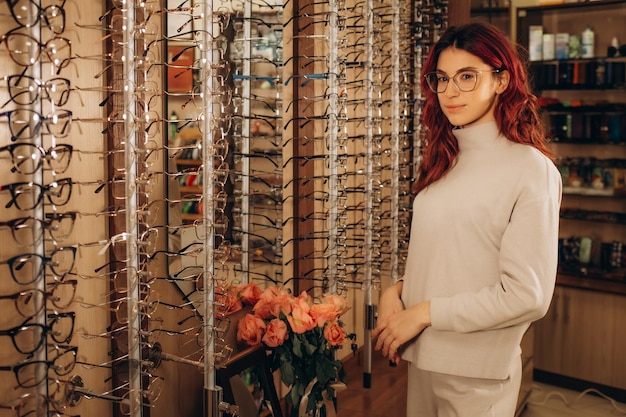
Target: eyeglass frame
<point x="42" y="47"/>
<point x="44" y="189"/>
<point x="53" y="118"/>
<point x="45" y="155"/>
<point x="46" y="329"/>
<point x="51" y="223"/>
<point x="437" y="74"/>
<point x="51" y="364"/>
<point x="45" y="260"/>
<point x="45" y="296"/>
<point x="42" y="14"/>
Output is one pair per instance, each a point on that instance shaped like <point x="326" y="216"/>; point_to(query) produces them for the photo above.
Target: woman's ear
<point x="502" y="81"/>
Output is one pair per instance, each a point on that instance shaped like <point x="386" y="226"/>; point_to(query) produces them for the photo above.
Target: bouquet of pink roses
<point x="301" y="335"/>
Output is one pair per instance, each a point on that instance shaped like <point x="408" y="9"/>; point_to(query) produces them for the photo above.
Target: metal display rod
<point x="395" y="140"/>
<point x="245" y="143"/>
<point x="367" y="244"/>
<point x="132" y="229"/>
<point x="333" y="145"/>
<point x="213" y="393"/>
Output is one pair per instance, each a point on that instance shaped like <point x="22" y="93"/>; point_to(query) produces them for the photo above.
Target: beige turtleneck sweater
<point x="483" y="250"/>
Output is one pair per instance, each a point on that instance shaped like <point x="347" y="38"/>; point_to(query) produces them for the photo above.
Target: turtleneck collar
<point x="480" y="136"/>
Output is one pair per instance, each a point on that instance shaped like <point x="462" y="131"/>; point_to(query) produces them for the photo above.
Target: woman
<point x="483" y="251"/>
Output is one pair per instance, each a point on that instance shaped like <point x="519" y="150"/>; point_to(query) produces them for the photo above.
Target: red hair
<point x="516" y="112"/>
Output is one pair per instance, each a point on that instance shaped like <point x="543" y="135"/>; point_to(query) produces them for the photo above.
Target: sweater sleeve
<point x="527" y="263"/>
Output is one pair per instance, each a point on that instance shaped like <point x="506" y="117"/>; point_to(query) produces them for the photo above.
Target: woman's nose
<point x="453" y="90"/>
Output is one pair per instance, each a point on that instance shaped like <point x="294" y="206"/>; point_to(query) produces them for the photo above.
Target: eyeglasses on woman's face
<point x="466" y="80"/>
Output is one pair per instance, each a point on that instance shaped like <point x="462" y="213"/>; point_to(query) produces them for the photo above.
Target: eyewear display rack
<point x="308" y="140"/>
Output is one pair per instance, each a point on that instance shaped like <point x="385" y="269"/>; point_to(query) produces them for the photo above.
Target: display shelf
<point x="592" y="272"/>
<point x="496" y="13"/>
<point x="593" y="216"/>
<point x="583" y="112"/>
<point x="605" y="16"/>
<point x="188" y="162"/>
<point x="598" y="73"/>
<point x="191" y="217"/>
<point x="592" y="284"/>
<point x="490" y="10"/>
<point x="578" y="6"/>
<point x="189" y="185"/>
<point x="593" y="192"/>
<point x="586" y="141"/>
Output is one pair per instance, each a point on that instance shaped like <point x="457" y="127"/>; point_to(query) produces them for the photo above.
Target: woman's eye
<point x="467" y="75"/>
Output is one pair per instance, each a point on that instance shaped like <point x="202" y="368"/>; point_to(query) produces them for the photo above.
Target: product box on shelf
<point x="535" y="43"/>
<point x="549" y="45"/>
<point x="562" y="45"/>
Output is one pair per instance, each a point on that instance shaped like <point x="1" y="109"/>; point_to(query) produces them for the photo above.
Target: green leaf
<point x="297" y="346"/>
<point x="294" y="397"/>
<point x="310" y="348"/>
<point x="325" y="371"/>
<point x="287" y="373"/>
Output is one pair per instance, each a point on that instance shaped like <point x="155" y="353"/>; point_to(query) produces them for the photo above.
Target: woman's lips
<point x="454" y="108"/>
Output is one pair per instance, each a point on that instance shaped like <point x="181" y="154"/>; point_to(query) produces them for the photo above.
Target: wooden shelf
<point x="489" y="10"/>
<point x="189" y="162"/>
<point x="190" y="217"/>
<point x="190" y="189"/>
<point x="593" y="192"/>
<point x="580" y="336"/>
<point x="592" y="284"/>
<point x="595" y="216"/>
<point x="576" y="5"/>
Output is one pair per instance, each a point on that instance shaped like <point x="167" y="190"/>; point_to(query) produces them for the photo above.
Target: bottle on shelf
<point x="587" y="43"/>
<point x="173" y="127"/>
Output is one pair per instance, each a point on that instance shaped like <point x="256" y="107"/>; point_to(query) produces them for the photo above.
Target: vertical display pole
<point x="417" y="113"/>
<point x="395" y="139"/>
<point x="369" y="195"/>
<point x="134" y="290"/>
<point x="39" y="211"/>
<point x="245" y="141"/>
<point x="212" y="392"/>
<point x="333" y="226"/>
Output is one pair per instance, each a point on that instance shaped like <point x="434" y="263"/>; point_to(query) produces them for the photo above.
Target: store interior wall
<point x="99" y="194"/>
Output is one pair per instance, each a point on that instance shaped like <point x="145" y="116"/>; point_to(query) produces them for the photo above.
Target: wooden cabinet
<point x="579" y="341"/>
<point x="189" y="186"/>
<point x="186" y="186"/>
<point x="496" y="12"/>
<point x="582" y="337"/>
<point x="585" y="118"/>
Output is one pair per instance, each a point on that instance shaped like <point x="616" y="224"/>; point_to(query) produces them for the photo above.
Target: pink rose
<point x="249" y="293"/>
<point x="227" y="303"/>
<point x="272" y="302"/>
<point x="276" y="333"/>
<point x="263" y="308"/>
<point x="282" y="303"/>
<point x="301" y="319"/>
<point x="334" y="334"/>
<point x="250" y="329"/>
<point x="324" y="313"/>
<point x="337" y="300"/>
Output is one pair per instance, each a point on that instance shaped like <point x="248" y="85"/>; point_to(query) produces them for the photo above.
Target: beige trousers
<point x="432" y="394"/>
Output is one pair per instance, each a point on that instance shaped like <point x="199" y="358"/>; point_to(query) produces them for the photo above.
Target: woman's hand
<point x="389" y="304"/>
<point x="396" y="325"/>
